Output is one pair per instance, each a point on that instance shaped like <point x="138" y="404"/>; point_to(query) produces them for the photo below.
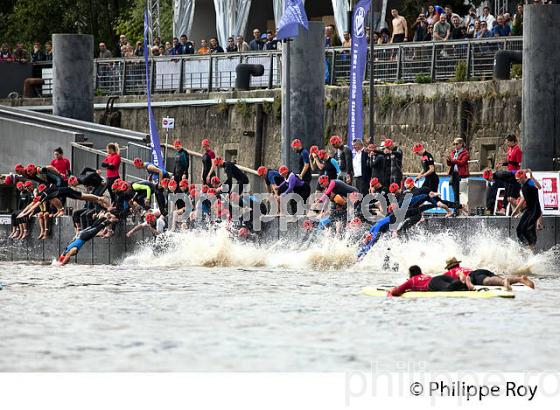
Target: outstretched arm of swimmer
<point x="328" y="191"/>
<point x="399" y="290"/>
<point x="30" y="208"/>
<point x="135" y="229"/>
<point x="537" y="184"/>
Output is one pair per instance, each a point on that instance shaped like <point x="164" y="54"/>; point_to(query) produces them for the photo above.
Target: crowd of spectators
<point x="21" y="55"/>
<point x="182" y="46"/>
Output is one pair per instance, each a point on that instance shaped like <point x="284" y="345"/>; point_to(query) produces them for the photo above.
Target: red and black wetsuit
<point x="431" y="181"/>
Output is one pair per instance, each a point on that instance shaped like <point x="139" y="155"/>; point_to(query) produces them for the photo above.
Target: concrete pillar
<point x="73" y="76"/>
<point x="541" y="86"/>
<point x="306" y="108"/>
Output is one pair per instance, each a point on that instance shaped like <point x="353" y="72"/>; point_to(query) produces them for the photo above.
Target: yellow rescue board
<point x="477" y="294"/>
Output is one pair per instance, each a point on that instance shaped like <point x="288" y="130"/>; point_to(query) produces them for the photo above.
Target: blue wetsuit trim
<point x="76" y="243"/>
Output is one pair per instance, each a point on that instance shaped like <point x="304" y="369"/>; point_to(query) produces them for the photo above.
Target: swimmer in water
<point x="420" y="282"/>
<point x="73" y="248"/>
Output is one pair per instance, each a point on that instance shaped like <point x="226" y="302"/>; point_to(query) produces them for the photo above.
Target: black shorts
<point x="398" y="38"/>
<point x="478" y="276"/>
<point x="444" y="283"/>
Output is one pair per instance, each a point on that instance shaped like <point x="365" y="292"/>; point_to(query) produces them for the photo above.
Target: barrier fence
<point x="404" y="62"/>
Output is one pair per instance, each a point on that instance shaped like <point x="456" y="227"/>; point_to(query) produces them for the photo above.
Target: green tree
<point x="131" y="21"/>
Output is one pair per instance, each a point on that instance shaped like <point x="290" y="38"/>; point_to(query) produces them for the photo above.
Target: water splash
<point x="482" y="248"/>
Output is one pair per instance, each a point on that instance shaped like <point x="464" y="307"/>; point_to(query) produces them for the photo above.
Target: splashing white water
<point x="483" y="249"/>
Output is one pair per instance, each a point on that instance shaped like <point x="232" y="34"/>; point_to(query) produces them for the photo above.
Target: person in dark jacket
<point x="393" y="164"/>
<point x="458" y="161"/>
<point x="232" y="172"/>
<point x="181" y="169"/>
<point x="344" y="157"/>
<point x="185" y="46"/>
<point x="376" y="162"/>
<point x="360" y="169"/>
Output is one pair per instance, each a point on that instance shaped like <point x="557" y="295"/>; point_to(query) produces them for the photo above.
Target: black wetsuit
<point x="444" y="283"/>
<point x="181" y="165"/>
<point x="59" y="192"/>
<point x="233" y="172"/>
<point x="431" y="181"/>
<point x="91" y="179"/>
<point x="506" y="180"/>
<point x="206" y="166"/>
<point x="527" y="227"/>
<point x="25" y="198"/>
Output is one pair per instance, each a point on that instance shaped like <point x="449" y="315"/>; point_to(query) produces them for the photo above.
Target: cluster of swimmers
<point x="345" y="177"/>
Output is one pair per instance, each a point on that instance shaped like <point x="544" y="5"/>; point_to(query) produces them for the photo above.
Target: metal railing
<point x="404" y="62"/>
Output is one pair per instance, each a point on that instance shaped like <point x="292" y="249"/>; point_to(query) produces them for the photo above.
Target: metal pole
<point x="371" y="78"/>
<point x="286" y="106"/>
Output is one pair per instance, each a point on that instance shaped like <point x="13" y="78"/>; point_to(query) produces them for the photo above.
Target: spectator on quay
<point x="122" y="42"/>
<point x="215" y="47"/>
<point x="384" y="36"/>
<point x="48" y="51"/>
<point x="442" y="29"/>
<point x="501" y="29"/>
<point x="271" y="43"/>
<point x="508" y="20"/>
<point x="400" y="28"/>
<point x="449" y="13"/>
<point x="21" y="55"/>
<point x="517" y="22"/>
<point x="331" y="39"/>
<point x="169" y="49"/>
<point x="204" y="49"/>
<point x="420" y="28"/>
<point x="175" y="44"/>
<point x="185" y="46"/>
<point x="430" y="35"/>
<point x="161" y="50"/>
<point x="231" y="46"/>
<point x="458" y="161"/>
<point x="139" y="50"/>
<point x="37" y="54"/>
<point x="242" y="46"/>
<point x="104" y="52"/>
<point x="157" y="41"/>
<point x="155" y="51"/>
<point x="256" y="44"/>
<point x="487" y="17"/>
<point x="5" y="54"/>
<point x="470" y="20"/>
<point x="347" y="41"/>
<point x="432" y="16"/>
<point x="471" y="33"/>
<point x="484" y="32"/>
<point x="128" y="51"/>
<point x="60" y="163"/>
<point x="457" y="31"/>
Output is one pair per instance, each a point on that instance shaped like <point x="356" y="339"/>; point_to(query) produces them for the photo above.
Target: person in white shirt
<point x="488" y="18"/>
<point x="362" y="173"/>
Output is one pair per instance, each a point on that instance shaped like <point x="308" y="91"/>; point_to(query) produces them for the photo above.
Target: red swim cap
<point x="72" y="181"/>
<point x="374" y="182"/>
<point x="243" y="232"/>
<point x="487" y="174"/>
<point x="307" y="224"/>
<point x="323" y="180"/>
<point x="283" y="170"/>
<point x="322" y="154"/>
<point x="165" y="182"/>
<point x="211" y="191"/>
<point x="335" y="140"/>
<point x="261" y="171"/>
<point x="409" y="182"/>
<point x="183" y="183"/>
<point x="394" y="187"/>
<point x="123" y="186"/>
<point x="215" y="181"/>
<point x="116" y="186"/>
<point x="28" y="184"/>
<point x="150" y="218"/>
<point x="367" y="237"/>
<point x="417" y="148"/>
<point x="20" y="169"/>
<point x="520" y="174"/>
<point x="204" y="189"/>
<point x="138" y="163"/>
<point x="314" y="149"/>
<point x="296" y="143"/>
<point x="172" y="184"/>
<point x="388" y="143"/>
<point x="8" y="180"/>
<point x="177" y="144"/>
<point x="205" y="143"/>
<point x="31" y="169"/>
<point x="218" y="161"/>
<point x="20" y="185"/>
<point x="41" y="187"/>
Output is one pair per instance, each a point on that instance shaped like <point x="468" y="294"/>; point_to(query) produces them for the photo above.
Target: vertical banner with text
<point x="357" y="70"/>
<point x="157" y="157"/>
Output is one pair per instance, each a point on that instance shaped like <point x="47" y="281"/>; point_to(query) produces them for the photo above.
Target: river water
<point x="205" y="303"/>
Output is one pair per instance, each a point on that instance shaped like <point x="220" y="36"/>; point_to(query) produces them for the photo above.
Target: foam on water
<point x="481" y="249"/>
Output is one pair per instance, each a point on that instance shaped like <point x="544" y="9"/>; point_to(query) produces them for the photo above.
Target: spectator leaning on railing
<point x="204" y="49"/>
<point x="6" y="55"/>
<point x="241" y="45"/>
<point x="104" y="52"/>
<point x="484" y="32"/>
<point x="48" y="51"/>
<point x="420" y="28"/>
<point x="487" y="17"/>
<point x="37" y="54"/>
<point x="256" y="44"/>
<point x="347" y="41"/>
<point x="231" y="47"/>
<point x="442" y="29"/>
<point x="185" y="46"/>
<point x="517" y="22"/>
<point x="139" y="50"/>
<point x="215" y="47"/>
<point x="21" y="55"/>
<point x="457" y="31"/>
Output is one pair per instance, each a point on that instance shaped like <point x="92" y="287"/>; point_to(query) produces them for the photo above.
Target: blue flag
<point x="293" y="17"/>
<point x="157" y="157"/>
<point x="357" y="70"/>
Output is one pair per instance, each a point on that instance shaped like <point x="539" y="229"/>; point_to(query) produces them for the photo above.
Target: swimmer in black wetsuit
<point x="431" y="179"/>
<point x="529" y="222"/>
<point x="81" y="238"/>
